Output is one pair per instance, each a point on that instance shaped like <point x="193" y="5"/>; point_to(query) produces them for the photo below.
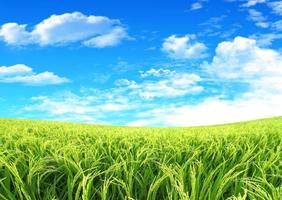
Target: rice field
<point x="42" y="160"/>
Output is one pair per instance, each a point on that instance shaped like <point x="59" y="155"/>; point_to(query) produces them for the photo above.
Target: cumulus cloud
<point x="24" y="74"/>
<point x="183" y="47"/>
<point x="18" y="69"/>
<point x="15" y="34"/>
<point x="92" y="31"/>
<point x="241" y="60"/>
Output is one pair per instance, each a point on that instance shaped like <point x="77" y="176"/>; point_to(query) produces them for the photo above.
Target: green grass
<point x="53" y="160"/>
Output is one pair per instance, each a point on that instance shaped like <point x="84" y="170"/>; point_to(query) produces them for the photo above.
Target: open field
<point x="53" y="160"/>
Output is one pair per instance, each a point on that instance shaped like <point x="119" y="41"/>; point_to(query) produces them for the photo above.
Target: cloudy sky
<point x="141" y="63"/>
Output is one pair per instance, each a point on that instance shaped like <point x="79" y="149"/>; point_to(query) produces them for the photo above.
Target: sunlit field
<point x="53" y="160"/>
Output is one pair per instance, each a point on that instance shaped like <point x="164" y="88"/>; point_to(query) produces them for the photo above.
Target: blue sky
<point x="141" y="63"/>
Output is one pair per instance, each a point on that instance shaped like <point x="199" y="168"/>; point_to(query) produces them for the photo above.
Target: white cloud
<point x="108" y="107"/>
<point x="94" y="31"/>
<point x="21" y="73"/>
<point x="44" y="78"/>
<point x="262" y="24"/>
<point x="258" y="17"/>
<point x="98" y="106"/>
<point x="243" y="59"/>
<point x="212" y="111"/>
<point x="276" y="6"/>
<point x="213" y="27"/>
<point x="84" y="107"/>
<point x="124" y="82"/>
<point x="66" y="107"/>
<point x="240" y="59"/>
<point x="156" y="72"/>
<point x="139" y="123"/>
<point x="110" y="39"/>
<point x="183" y="47"/>
<point x="266" y="39"/>
<point x="277" y="25"/>
<point x="67" y="104"/>
<point x="18" y="69"/>
<point x="251" y="3"/>
<point x="125" y="99"/>
<point x="15" y="34"/>
<point x="196" y="6"/>
<point x="172" y="85"/>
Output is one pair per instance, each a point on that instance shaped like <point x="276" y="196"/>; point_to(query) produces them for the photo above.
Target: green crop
<point x="42" y="160"/>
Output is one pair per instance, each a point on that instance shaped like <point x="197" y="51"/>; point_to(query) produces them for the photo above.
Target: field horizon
<point x="124" y="126"/>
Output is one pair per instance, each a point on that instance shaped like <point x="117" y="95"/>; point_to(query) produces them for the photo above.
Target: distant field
<point x="42" y="160"/>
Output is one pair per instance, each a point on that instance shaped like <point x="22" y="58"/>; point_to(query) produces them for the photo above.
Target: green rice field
<point x="43" y="160"/>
